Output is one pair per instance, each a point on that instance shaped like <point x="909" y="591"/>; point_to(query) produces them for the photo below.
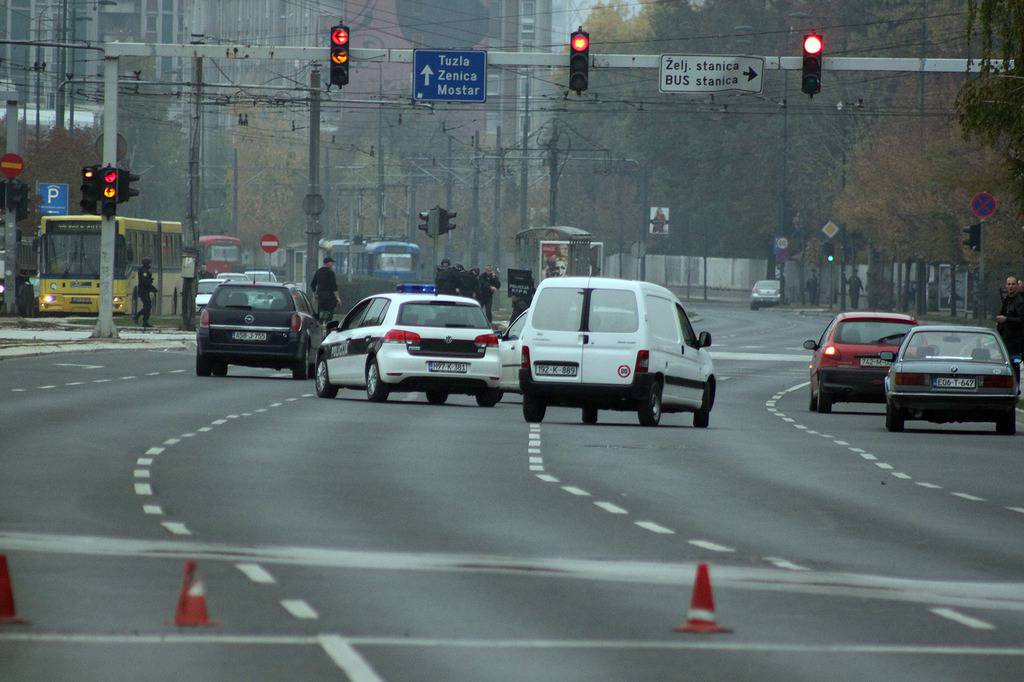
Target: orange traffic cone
<point x="701" y="616"/>
<point x="8" y="616"/>
<point x="191" y="611"/>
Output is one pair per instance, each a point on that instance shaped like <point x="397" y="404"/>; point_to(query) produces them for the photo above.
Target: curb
<point x="24" y="351"/>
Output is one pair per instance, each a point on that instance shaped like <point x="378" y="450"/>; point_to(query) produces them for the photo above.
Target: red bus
<point x="220" y="253"/>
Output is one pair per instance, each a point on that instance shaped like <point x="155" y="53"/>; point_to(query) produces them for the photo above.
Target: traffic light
<point x="828" y="249"/>
<point x="444" y="222"/>
<point x="15" y="198"/>
<point x="973" y="241"/>
<point x="426" y="224"/>
<point x="339" y="55"/>
<point x="579" y="60"/>
<point x="90" y="189"/>
<point x="125" y="178"/>
<point x="108" y="191"/>
<point x="811" y="82"/>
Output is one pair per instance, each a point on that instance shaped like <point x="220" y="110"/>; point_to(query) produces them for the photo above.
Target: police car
<point x="412" y="340"/>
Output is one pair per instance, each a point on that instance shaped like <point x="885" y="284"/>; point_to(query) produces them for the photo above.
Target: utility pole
<point x="330" y="201"/>
<point x="413" y="213"/>
<point x="234" y="190"/>
<point x="644" y="221"/>
<point x="10" y="218"/>
<point x="380" y="153"/>
<point x="62" y="57"/>
<point x="313" y="204"/>
<point x="499" y="161"/>
<point x="553" y="177"/>
<point x="71" y="68"/>
<point x="191" y="236"/>
<point x="524" y="168"/>
<point x="474" y="227"/>
<point x="105" y="319"/>
<point x="449" y="193"/>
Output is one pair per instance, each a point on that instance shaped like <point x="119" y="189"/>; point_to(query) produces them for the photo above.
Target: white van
<point x="610" y="344"/>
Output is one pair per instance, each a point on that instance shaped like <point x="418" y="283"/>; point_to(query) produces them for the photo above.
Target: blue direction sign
<point x="449" y="75"/>
<point x="53" y="198"/>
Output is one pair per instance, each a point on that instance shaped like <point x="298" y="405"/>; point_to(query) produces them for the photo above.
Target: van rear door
<point x="556" y="340"/>
<point x="612" y="337"/>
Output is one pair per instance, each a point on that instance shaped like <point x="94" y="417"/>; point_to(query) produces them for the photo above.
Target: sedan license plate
<point x="955" y="382"/>
<point x="249" y="336"/>
<point x="448" y="367"/>
<point x="874" y="362"/>
<point x="555" y="370"/>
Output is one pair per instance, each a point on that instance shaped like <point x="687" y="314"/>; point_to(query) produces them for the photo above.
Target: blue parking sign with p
<point x="53" y="198"/>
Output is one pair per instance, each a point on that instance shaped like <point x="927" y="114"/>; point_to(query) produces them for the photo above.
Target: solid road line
<point x="963" y="619"/>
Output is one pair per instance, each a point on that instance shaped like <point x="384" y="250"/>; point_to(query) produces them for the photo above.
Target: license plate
<point x="955" y="382"/>
<point x="555" y="370"/>
<point x="249" y="336"/>
<point x="449" y="367"/>
<point x="874" y="362"/>
<point x="76" y="299"/>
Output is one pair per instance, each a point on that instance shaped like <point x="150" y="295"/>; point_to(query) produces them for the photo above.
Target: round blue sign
<point x="983" y="205"/>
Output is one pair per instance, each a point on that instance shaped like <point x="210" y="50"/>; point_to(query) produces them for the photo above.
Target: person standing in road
<point x="444" y="278"/>
<point x="489" y="285"/>
<point x="856" y="286"/>
<point x="1010" y="322"/>
<point x="812" y="288"/>
<point x="145" y="289"/>
<point x="325" y="286"/>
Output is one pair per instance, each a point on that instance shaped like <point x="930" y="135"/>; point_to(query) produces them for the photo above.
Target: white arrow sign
<point x="427" y="72"/>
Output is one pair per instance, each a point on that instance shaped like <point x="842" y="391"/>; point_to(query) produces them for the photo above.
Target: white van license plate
<point x="555" y="370"/>
<point x="449" y="367"/>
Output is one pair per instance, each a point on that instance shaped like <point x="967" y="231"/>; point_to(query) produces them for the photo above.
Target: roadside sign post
<point x="270" y="243"/>
<point x="53" y="198"/>
<point x="983" y="205"/>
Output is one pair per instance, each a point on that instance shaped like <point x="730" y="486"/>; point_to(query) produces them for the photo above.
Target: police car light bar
<point x="412" y="288"/>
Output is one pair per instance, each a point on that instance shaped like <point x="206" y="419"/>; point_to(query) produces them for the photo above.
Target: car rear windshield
<point x="252" y="298"/>
<point x="954" y="345"/>
<point x="767" y="284"/>
<point x="206" y="287"/>
<point x="613" y="310"/>
<point x="442" y="314"/>
<point x="872" y="332"/>
<point x="558" y="309"/>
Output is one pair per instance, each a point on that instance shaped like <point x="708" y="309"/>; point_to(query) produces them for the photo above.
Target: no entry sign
<point x="11" y="165"/>
<point x="269" y="243"/>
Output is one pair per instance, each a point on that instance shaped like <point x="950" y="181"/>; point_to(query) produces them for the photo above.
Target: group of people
<point x="472" y="283"/>
<point x="1010" y="321"/>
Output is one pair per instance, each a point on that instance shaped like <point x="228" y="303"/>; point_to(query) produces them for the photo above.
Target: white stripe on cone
<point x="700" y="614"/>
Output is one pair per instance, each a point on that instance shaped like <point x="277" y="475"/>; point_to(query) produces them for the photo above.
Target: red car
<point x="845" y="366"/>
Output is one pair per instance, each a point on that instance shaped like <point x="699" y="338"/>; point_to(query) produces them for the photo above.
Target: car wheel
<point x="437" y="397"/>
<point x="813" y="405"/>
<point x="1006" y="424"/>
<point x="649" y="413"/>
<point x="534" y="409"/>
<point x="489" y="397"/>
<point x="589" y="415"/>
<point x="824" y="402"/>
<point x="376" y="391"/>
<point x="894" y="419"/>
<point x="753" y="306"/>
<point x="322" y="381"/>
<point x="300" y="370"/>
<point x="220" y="369"/>
<point x="203" y="366"/>
<point x="702" y="417"/>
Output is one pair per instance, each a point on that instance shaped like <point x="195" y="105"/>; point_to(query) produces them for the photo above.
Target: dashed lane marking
<point x="176" y="371"/>
<point x="573" y="490"/>
<point x="654" y="527"/>
<point x="46" y="387"/>
<point x="1019" y="510"/>
<point x="176" y="527"/>
<point x="299" y="609"/>
<point x="965" y="496"/>
<point x="128" y="378"/>
<point x="713" y="546"/>
<point x="75" y="383"/>
<point x="533" y="451"/>
<point x="256" y="574"/>
<point x="172" y="441"/>
<point x="536" y="460"/>
<point x="611" y="508"/>
<point x="101" y="381"/>
<point x="144" y="461"/>
<point x="152" y="509"/>
<point x="232" y="416"/>
<point x="548" y="478"/>
<point x="931" y="486"/>
<point x="143" y="489"/>
<point x="152" y="374"/>
<point x="868" y="456"/>
<point x="140" y="473"/>
<point x="883" y="465"/>
<point x="963" y="619"/>
<point x="188" y="435"/>
<point x="154" y="451"/>
<point x="785" y="563"/>
<point x="276" y="404"/>
<point x="899" y="474"/>
<point x="840" y="442"/>
<point x="536" y="467"/>
<point x="218" y="422"/>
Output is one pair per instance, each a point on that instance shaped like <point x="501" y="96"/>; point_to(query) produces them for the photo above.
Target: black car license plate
<point x="249" y="336"/>
<point x="448" y="367"/>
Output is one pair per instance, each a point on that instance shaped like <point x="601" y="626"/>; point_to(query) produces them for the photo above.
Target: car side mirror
<point x="810" y="345"/>
<point x="887" y="355"/>
<point x="704" y="340"/>
<point x="333" y="325"/>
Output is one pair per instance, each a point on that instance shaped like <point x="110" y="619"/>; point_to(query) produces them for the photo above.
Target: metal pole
<point x="411" y="229"/>
<point x="314" y="201"/>
<point x="61" y="63"/>
<point x="641" y="250"/>
<point x="498" y="172"/>
<point x="191" y="235"/>
<point x="71" y="69"/>
<point x="553" y="177"/>
<point x="449" y="196"/>
<point x="105" y="321"/>
<point x="474" y="227"/>
<point x="234" y="190"/>
<point x="10" y="216"/>
<point x="38" y="67"/>
<point x="524" y="167"/>
<point x="380" y="154"/>
<point x="160" y="267"/>
<point x="705" y="228"/>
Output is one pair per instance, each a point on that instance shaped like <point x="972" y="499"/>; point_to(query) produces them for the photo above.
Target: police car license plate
<point x="874" y="362"/>
<point x="449" y="367"/>
<point x="955" y="382"/>
<point x="249" y="336"/>
<point x="77" y="299"/>
<point x="554" y="370"/>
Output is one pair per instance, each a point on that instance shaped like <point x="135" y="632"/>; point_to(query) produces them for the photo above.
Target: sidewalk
<point x="19" y="338"/>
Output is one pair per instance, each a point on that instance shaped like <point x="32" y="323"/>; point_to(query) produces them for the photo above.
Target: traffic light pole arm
<point x="495" y="58"/>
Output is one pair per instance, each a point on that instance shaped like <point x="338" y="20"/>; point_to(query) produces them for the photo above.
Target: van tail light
<point x="910" y="379"/>
<point x="1005" y="381"/>
<point x="485" y="340"/>
<point x="525" y="362"/>
<point x="643" y="362"/>
<point x="204" y="319"/>
<point x="401" y="336"/>
<point x="296" y="322"/>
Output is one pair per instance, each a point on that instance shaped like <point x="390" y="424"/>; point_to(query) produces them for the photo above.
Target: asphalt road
<point x="411" y="542"/>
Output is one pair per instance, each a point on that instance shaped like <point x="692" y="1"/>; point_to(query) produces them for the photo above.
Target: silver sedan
<point x="948" y="373"/>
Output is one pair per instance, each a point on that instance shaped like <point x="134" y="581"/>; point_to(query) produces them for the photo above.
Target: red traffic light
<point x="110" y="176"/>
<point x="339" y="36"/>
<point x="812" y="44"/>
<point x="579" y="43"/>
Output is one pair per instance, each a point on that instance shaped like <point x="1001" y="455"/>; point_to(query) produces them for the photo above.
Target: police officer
<point x="1010" y="322"/>
<point x="325" y="285"/>
<point x="489" y="285"/>
<point x="145" y="289"/>
<point x="444" y="278"/>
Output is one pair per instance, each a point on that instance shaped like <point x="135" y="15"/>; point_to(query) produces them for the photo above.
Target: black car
<point x="257" y="325"/>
